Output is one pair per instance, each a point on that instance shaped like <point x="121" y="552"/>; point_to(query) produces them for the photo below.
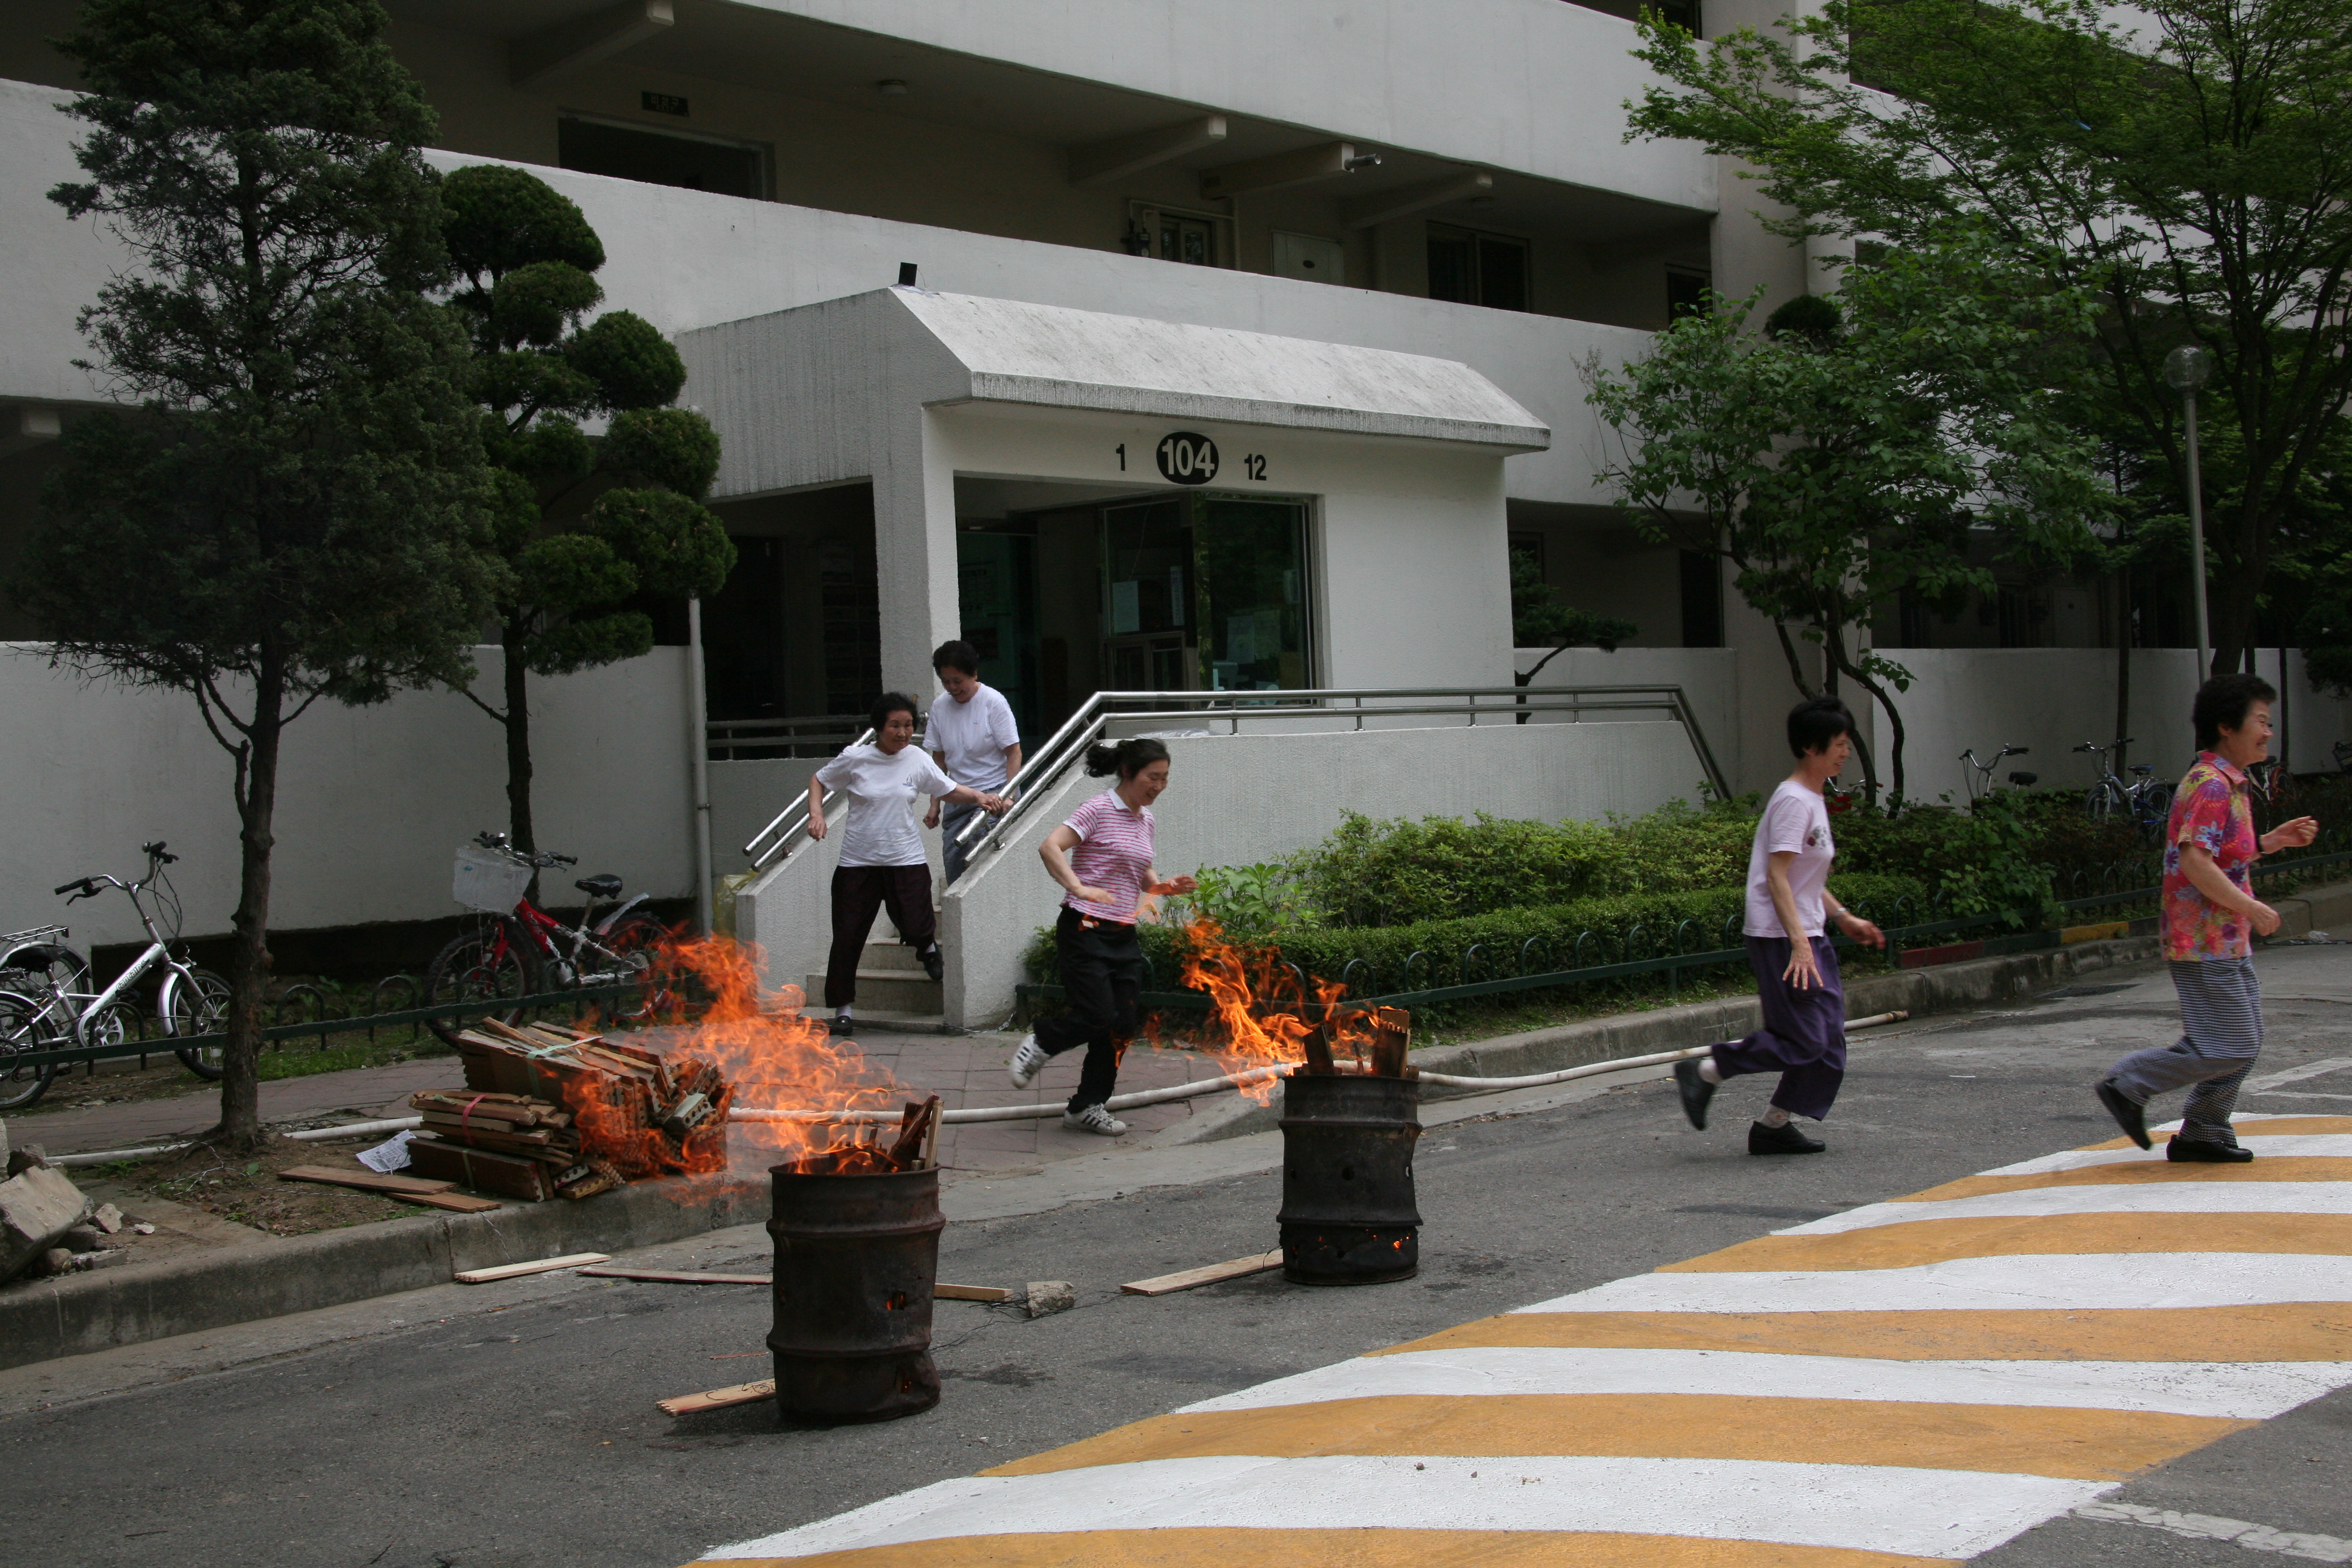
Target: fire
<point x="1259" y="1009"/>
<point x="773" y="1056"/>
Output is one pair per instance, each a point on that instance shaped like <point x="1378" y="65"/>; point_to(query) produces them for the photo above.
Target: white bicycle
<point x="46" y="1002"/>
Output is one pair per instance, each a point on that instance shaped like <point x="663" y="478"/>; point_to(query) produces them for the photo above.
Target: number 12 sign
<point x="1186" y="458"/>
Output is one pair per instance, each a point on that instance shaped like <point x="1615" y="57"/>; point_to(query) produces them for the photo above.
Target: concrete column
<point x="914" y="552"/>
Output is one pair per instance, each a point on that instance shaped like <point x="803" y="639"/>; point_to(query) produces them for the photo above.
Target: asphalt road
<point x="513" y="1426"/>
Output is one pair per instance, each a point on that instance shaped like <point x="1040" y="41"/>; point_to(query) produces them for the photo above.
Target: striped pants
<point x="2222" y="1016"/>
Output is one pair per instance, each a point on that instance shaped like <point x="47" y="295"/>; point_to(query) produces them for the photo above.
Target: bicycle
<point x="2145" y="803"/>
<point x="1978" y="776"/>
<point x="45" y="1003"/>
<point x="517" y="948"/>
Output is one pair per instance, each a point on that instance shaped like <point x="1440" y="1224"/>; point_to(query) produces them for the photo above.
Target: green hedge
<point x="1326" y="952"/>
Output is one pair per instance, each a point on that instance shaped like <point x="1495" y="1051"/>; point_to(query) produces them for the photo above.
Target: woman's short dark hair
<point x="2223" y="702"/>
<point x="891" y="702"/>
<point x="1126" y="758"/>
<point x="1816" y="722"/>
<point x="956" y="655"/>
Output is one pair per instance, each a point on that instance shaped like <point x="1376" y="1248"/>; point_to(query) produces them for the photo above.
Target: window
<point x="1173" y="234"/>
<point x="661" y="157"/>
<point x="1473" y="269"/>
<point x="1686" y="293"/>
<point x="1702" y="585"/>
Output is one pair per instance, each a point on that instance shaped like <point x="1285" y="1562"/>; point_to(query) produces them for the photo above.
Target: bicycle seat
<point x="2143" y="769"/>
<point x="2024" y="781"/>
<point x="604" y="885"/>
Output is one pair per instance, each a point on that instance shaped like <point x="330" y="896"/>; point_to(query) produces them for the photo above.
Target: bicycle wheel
<point x="2106" y="802"/>
<point x="2155" y="811"/>
<point x="638" y="942"/>
<point x="490" y="963"/>
<point x="21" y="1031"/>
<point x="201" y="1009"/>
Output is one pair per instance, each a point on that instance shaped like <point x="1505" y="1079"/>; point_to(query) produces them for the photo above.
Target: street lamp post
<point x="2186" y="369"/>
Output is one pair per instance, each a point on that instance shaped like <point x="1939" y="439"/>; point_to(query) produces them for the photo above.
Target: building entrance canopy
<point x="1392" y="462"/>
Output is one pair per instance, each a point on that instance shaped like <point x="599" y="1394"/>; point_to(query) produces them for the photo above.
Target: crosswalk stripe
<point x="2239" y="1390"/>
<point x="2273" y="1146"/>
<point x="2143" y="1172"/>
<point x="2170" y="1198"/>
<point x="1933" y="1513"/>
<point x="1966" y="1284"/>
<point x="2088" y="1445"/>
<point x="1273" y="1547"/>
<point x="2308" y="1331"/>
<point x="1903" y="1245"/>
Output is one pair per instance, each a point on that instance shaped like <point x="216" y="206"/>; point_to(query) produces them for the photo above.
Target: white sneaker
<point x="1094" y="1119"/>
<point x="1027" y="1062"/>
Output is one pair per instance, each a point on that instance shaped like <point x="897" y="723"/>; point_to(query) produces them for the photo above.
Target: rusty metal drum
<point x="856" y="1259"/>
<point x="1348" y="1210"/>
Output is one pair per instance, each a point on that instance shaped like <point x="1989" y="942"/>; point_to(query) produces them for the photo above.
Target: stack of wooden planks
<point x="550" y="1109"/>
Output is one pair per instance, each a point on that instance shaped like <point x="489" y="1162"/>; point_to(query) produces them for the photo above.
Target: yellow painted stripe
<point x="2070" y="1444"/>
<point x="1226" y="1548"/>
<point x="2143" y="1173"/>
<point x="2292" y="1331"/>
<point x="1934" y="1240"/>
<point x="2270" y="1127"/>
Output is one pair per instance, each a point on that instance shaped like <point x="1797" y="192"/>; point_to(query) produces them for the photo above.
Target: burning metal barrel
<point x="857" y="1257"/>
<point x="1347" y="1213"/>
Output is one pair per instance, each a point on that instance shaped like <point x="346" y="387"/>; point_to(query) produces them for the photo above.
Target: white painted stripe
<point x="1863" y="1507"/>
<point x="2275" y="1146"/>
<point x="2239" y="1120"/>
<point x="2157" y="1198"/>
<point x="2274" y="1094"/>
<point x="2243" y="1391"/>
<point x="2293" y="1075"/>
<point x="2058" y="1281"/>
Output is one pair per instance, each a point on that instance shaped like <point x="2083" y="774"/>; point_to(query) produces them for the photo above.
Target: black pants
<point x="1102" y="969"/>
<point x="858" y="892"/>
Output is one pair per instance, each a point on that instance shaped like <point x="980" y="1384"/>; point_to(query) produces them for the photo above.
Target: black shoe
<point x="1695" y="1091"/>
<point x="2205" y="1153"/>
<point x="935" y="964"/>
<point x="2132" y="1119"/>
<point x="1782" y="1140"/>
<point x="844" y="1024"/>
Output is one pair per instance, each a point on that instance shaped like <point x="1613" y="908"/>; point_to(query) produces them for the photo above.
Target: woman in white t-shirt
<point x="882" y="861"/>
<point x="1790" y="912"/>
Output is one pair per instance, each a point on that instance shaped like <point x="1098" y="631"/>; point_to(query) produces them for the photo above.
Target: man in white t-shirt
<point x="1791" y="912"/>
<point x="974" y="737"/>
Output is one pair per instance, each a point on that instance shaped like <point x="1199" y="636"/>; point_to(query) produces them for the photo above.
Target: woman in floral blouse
<point x="2210" y="918"/>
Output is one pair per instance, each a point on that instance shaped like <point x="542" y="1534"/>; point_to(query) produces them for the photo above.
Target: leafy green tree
<point x="294" y="509"/>
<point x="575" y="585"/>
<point x="2189" y="174"/>
<point x="1843" y="456"/>
<point x="1541" y="618"/>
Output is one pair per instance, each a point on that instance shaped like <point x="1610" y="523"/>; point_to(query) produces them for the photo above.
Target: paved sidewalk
<point x="967" y="1069"/>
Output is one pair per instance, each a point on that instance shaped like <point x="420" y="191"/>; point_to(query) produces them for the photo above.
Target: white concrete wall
<point x="2052" y="699"/>
<point x="373" y="802"/>
<point x="1710" y="678"/>
<point x="685" y="260"/>
<point x="1239" y="800"/>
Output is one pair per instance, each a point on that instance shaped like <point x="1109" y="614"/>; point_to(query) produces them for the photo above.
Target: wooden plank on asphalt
<point x="455" y="1202"/>
<point x="680" y="1277"/>
<point x="718" y="1398"/>
<point x="971" y="1293"/>
<point x="366" y="1181"/>
<point x="542" y="1266"/>
<point x="1208" y="1274"/>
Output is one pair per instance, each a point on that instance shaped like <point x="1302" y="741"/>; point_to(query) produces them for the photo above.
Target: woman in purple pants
<point x="1790" y="909"/>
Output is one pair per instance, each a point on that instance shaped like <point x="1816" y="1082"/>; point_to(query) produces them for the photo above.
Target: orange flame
<point x="775" y="1059"/>
<point x="1258" y="1010"/>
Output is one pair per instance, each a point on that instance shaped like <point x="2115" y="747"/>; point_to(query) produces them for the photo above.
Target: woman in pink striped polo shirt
<point x="1102" y="858"/>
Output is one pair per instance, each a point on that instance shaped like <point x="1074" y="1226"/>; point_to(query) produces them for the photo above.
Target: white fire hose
<point x="1034" y="1113"/>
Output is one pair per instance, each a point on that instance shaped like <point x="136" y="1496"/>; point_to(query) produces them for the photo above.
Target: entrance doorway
<point x="1205" y="593"/>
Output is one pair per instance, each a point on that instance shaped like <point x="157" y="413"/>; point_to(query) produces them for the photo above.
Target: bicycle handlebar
<point x="544" y="860"/>
<point x="88" y="891"/>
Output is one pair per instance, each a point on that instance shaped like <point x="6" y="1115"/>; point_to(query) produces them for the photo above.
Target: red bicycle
<point x="516" y="949"/>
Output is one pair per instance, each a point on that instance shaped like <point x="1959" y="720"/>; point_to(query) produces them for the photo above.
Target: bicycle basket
<point x="489" y="880"/>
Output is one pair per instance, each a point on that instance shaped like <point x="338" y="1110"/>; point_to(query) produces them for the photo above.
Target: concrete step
<point x="896" y="990"/>
<point x="889" y="955"/>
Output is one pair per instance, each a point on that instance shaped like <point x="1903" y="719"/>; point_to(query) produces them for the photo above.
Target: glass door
<point x="1147" y="591"/>
<point x="1206" y="592"/>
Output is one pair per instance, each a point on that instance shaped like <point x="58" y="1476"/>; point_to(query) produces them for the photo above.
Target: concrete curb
<point x="1940" y="989"/>
<point x="134" y="1303"/>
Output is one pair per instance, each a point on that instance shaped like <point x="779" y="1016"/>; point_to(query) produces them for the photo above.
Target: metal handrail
<point x="1083" y="728"/>
<point x="722" y="738"/>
